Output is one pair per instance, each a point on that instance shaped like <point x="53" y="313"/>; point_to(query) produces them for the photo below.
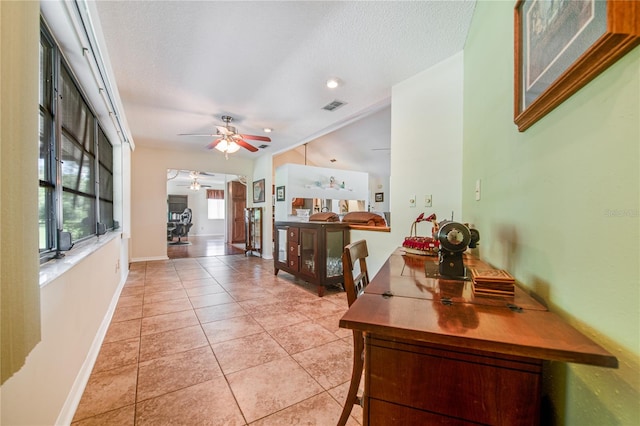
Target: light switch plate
<point x="412" y="201"/>
<point x="478" y="190"/>
<point x="428" y="200"/>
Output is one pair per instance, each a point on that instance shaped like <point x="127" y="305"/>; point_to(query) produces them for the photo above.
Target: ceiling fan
<point x="228" y="139"/>
<point x="195" y="185"/>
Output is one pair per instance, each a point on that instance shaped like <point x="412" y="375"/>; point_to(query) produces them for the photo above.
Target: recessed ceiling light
<point x="268" y="129"/>
<point x="332" y="83"/>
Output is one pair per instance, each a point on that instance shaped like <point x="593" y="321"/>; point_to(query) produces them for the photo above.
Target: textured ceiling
<point x="181" y="65"/>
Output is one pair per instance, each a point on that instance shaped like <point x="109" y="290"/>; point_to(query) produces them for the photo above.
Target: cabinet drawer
<point x="292" y="255"/>
<point x="386" y="413"/>
<point x="454" y="383"/>
<point x="292" y="234"/>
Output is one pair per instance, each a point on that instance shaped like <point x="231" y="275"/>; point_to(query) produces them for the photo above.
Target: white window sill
<point x="54" y="268"/>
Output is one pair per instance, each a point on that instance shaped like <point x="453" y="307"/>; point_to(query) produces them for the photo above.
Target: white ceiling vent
<point x="332" y="106"/>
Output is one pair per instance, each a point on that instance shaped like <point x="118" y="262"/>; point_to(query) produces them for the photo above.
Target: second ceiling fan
<point x="228" y="140"/>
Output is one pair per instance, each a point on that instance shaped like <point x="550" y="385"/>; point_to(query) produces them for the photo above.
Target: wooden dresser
<point x="437" y="354"/>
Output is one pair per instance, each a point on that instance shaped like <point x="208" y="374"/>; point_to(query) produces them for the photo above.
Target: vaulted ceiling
<point x="181" y="65"/>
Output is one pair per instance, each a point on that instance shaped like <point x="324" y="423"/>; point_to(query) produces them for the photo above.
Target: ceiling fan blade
<point x="246" y="145"/>
<point x="256" y="138"/>
<point x="214" y="144"/>
<point x="211" y="135"/>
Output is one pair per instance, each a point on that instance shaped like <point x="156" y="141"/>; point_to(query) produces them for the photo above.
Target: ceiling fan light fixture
<point x="195" y="186"/>
<point x="227" y="147"/>
<point x="233" y="147"/>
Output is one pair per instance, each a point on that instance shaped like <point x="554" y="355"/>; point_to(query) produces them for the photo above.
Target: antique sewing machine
<point x="454" y="238"/>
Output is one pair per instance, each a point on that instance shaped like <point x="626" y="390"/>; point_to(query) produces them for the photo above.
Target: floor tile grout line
<point x="254" y="275"/>
<point x="135" y="393"/>
<point x="224" y="375"/>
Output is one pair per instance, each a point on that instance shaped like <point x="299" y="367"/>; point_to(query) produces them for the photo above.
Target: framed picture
<point x="379" y="197"/>
<point x="258" y="191"/>
<point x="562" y="45"/>
<point x="280" y="193"/>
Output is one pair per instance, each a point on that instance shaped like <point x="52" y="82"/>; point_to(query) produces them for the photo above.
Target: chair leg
<point x="358" y="364"/>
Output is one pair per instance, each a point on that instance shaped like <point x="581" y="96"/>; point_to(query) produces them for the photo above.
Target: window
<point x="215" y="204"/>
<point x="46" y="164"/>
<point x="76" y="158"/>
<point x="105" y="179"/>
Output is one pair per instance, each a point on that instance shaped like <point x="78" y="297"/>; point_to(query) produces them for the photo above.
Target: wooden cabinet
<point x="415" y="379"/>
<point x="253" y="230"/>
<point x="438" y="353"/>
<point x="311" y="251"/>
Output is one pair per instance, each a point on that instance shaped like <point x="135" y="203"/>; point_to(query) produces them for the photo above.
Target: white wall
<point x="379" y="184"/>
<point x="426" y="154"/>
<point x="75" y="312"/>
<point x="426" y="143"/>
<point x="149" y="192"/>
<point x="263" y="170"/>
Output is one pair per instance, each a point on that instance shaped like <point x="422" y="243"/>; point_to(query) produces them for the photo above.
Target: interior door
<point x="238" y="194"/>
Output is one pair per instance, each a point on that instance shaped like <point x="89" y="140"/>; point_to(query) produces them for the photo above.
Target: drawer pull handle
<point x="514" y="308"/>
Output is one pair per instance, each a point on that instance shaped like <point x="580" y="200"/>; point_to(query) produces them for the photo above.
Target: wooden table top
<point x="408" y="300"/>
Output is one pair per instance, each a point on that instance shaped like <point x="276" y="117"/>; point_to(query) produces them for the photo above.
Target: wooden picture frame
<point x="560" y="46"/>
<point x="258" y="191"/>
<point x="379" y="197"/>
<point x="280" y="193"/>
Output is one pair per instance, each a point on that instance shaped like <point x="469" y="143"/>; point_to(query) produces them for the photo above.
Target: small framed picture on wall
<point x="280" y="193"/>
<point x="379" y="197"/>
<point x="258" y="191"/>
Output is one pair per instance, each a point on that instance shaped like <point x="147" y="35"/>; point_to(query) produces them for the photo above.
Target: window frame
<point x="216" y="201"/>
<point x="53" y="137"/>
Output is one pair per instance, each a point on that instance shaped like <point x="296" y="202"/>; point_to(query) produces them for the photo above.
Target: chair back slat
<point x="354" y="264"/>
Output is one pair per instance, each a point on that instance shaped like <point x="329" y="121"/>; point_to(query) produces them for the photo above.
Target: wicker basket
<point x="425" y="246"/>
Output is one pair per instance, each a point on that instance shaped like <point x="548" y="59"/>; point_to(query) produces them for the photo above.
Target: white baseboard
<point x="149" y="259"/>
<point x="80" y="383"/>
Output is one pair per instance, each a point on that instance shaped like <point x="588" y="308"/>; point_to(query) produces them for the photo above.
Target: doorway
<point x="211" y="212"/>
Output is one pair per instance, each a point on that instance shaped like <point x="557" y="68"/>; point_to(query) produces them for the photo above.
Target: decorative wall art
<point x="379" y="197"/>
<point x="280" y="193"/>
<point x="562" y="45"/>
<point x="258" y="191"/>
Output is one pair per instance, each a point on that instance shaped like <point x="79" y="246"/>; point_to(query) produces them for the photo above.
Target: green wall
<point x="560" y="210"/>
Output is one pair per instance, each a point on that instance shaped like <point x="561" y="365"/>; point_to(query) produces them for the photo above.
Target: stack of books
<point x="492" y="282"/>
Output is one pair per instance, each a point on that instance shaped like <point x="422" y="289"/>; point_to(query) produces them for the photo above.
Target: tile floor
<point x="220" y="341"/>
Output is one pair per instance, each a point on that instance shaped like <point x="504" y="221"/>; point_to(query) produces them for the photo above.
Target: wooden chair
<point x="354" y="261"/>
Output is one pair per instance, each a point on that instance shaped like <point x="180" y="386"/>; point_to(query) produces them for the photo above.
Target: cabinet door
<point x="309" y="252"/>
<point x="257" y="228"/>
<point x="280" y="254"/>
<point x="247" y="229"/>
<point x="335" y="242"/>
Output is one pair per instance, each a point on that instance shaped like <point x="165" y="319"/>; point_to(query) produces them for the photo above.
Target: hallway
<point x="201" y="246"/>
<point x="220" y="340"/>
